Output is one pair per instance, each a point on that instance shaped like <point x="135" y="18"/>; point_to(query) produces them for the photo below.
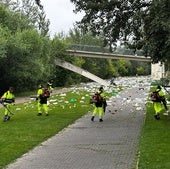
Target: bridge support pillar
<point x="157" y="71"/>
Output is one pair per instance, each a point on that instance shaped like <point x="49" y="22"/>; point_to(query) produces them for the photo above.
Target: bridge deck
<point x="107" y="55"/>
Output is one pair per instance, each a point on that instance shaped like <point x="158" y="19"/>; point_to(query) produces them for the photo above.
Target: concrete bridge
<point x="155" y="72"/>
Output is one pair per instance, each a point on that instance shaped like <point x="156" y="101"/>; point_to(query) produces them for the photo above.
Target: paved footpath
<point x="111" y="144"/>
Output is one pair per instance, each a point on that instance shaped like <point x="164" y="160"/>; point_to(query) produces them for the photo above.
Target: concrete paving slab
<point x="111" y="144"/>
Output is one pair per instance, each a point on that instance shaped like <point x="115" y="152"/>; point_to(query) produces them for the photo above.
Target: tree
<point x="26" y="13"/>
<point x="24" y="66"/>
<point x="36" y="15"/>
<point x="4" y="32"/>
<point x="138" y="24"/>
<point x="24" y="50"/>
<point x="114" y="20"/>
<point x="140" y="70"/>
<point x="157" y="31"/>
<point x="38" y="2"/>
<point x="13" y="20"/>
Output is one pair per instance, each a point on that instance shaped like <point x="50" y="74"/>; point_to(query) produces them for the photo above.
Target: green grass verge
<point x="154" y="149"/>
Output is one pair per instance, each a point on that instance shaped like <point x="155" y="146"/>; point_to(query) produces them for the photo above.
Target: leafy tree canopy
<point x="138" y="24"/>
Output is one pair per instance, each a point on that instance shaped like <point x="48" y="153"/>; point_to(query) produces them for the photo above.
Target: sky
<point x="61" y="15"/>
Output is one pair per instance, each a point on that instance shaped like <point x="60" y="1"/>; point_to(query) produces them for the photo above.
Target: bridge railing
<point x="90" y="48"/>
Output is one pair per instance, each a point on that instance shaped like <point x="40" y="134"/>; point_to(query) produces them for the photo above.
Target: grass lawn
<point x="154" y="144"/>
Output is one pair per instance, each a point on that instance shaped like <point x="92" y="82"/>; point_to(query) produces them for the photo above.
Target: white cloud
<point x="61" y="15"/>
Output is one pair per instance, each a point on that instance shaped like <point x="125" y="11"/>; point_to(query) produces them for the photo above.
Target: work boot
<point x="6" y="118"/>
<point x="92" y="118"/>
<point x="157" y="116"/>
<point x="39" y="114"/>
<point x="100" y="120"/>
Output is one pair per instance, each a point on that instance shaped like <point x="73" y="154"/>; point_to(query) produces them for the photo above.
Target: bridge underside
<point x="80" y="71"/>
